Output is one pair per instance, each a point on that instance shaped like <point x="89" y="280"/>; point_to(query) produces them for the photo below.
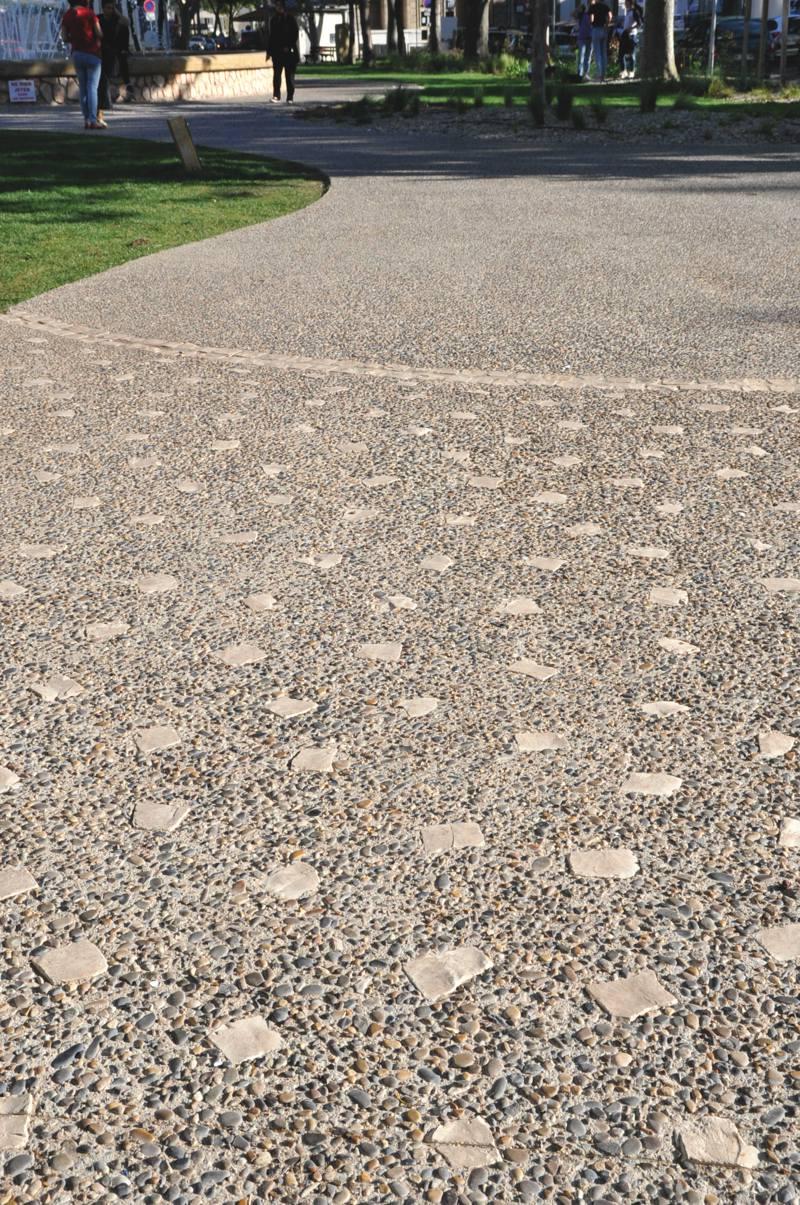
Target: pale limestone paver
<point x="517" y="606"/>
<point x="10" y="591"/>
<point x="436" y="976"/>
<point x="76" y="962"/>
<point x="15" y="1118"/>
<point x="246" y="1039"/>
<point x="461" y="834"/>
<point x="781" y="585"/>
<point x="651" y="784"/>
<point x="322" y="560"/>
<point x="14" y="881"/>
<point x="774" y="744"/>
<point x="549" y="564"/>
<point x="390" y="650"/>
<point x="533" y="669"/>
<point x="667" y="596"/>
<point x="57" y="687"/>
<point x="261" y="603"/>
<point x="663" y="708"/>
<point x="159" y="817"/>
<point x="681" y="648"/>
<point x="101" y="632"/>
<point x="419" y="706"/>
<point x="603" y="863"/>
<point x="437" y="561"/>
<point x="241" y="654"/>
<point x="155" y="583"/>
<point x="292" y="882"/>
<point x="781" y="941"/>
<point x="540" y="742"/>
<point x="466" y="1144"/>
<point x="717" y="1141"/>
<point x="156" y="738"/>
<point x="240" y="538"/>
<point x="789" y="836"/>
<point x="631" y="996"/>
<point x="288" y="708"/>
<point x="9" y="781"/>
<point x="315" y="759"/>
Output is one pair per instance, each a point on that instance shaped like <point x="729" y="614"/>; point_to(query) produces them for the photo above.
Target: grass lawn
<point x="447" y="87"/>
<point x="75" y="204"/>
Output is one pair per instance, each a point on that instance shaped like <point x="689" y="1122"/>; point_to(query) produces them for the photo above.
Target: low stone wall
<point x="154" y="77"/>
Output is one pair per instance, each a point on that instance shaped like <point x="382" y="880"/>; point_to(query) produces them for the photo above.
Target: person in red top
<point x="81" y="28"/>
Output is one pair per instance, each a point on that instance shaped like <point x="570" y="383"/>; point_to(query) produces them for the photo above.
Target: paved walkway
<point x="398" y="741"/>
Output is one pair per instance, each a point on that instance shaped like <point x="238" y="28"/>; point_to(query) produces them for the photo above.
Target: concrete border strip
<point x="287" y="362"/>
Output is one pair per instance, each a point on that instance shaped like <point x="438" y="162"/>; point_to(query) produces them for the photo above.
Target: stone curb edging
<point x="403" y="372"/>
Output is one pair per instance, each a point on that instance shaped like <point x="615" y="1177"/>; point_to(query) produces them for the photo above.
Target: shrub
<point x="578" y="119"/>
<point x="648" y="95"/>
<point x="396" y="100"/>
<point x="684" y="100"/>
<point x="718" y="89"/>
<point x="563" y="102"/>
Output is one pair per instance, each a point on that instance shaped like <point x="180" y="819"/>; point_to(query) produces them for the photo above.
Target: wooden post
<point x="181" y="136"/>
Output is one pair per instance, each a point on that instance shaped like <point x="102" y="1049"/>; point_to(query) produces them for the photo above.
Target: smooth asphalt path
<point x="474" y="253"/>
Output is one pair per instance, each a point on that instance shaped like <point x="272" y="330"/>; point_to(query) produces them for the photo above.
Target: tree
<point x="539" y="18"/>
<point x="748" y="12"/>
<point x="762" y="40"/>
<point x="476" y="29"/>
<point x="309" y="18"/>
<point x="784" y="39"/>
<point x="366" y="32"/>
<point x="351" y="33"/>
<point x="433" y="35"/>
<point x="658" y="50"/>
<point x="391" y="32"/>
<point x="400" y="23"/>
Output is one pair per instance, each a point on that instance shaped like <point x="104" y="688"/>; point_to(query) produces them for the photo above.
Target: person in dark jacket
<point x="116" y="40"/>
<point x="282" y="47"/>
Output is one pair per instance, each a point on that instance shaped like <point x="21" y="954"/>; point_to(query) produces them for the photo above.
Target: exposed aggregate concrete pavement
<point x="408" y="766"/>
<point x="437" y="252"/>
<point x="249" y="1024"/>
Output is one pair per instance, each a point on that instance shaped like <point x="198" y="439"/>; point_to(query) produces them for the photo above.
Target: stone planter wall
<point x="154" y="78"/>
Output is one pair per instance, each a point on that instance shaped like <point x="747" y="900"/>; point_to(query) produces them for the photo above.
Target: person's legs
<point x="289" y="73"/>
<point x="80" y="72"/>
<point x="93" y="70"/>
<point x="103" y="94"/>
<point x="598" y="52"/>
<point x="584" y="59"/>
<point x="277" y="70"/>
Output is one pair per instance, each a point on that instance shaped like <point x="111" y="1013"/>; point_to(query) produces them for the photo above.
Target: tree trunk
<point x="658" y="50"/>
<point x="476" y="28"/>
<point x="762" y="40"/>
<point x="433" y="36"/>
<point x="366" y="32"/>
<point x="539" y="18"/>
<point x="748" y="12"/>
<point x="399" y="17"/>
<point x="712" y="38"/>
<point x="784" y="37"/>
<point x="391" y="34"/>
<point x="351" y="33"/>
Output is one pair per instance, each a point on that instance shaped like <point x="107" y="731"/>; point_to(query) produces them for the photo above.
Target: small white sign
<point x="21" y="91"/>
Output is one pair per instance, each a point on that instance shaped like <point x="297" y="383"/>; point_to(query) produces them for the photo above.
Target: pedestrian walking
<point x="80" y="27"/>
<point x="600" y="17"/>
<point x="584" y="24"/>
<point x="631" y="28"/>
<point x="283" y="49"/>
<point x="114" y="53"/>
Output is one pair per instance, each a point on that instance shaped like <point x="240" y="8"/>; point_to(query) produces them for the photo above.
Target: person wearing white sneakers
<point x="283" y="50"/>
<point x="629" y="39"/>
<point x="80" y="27"/>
